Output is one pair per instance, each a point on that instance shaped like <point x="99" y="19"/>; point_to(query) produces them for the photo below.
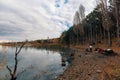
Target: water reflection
<point x="2" y="56"/>
<point x="34" y="63"/>
<point x="3" y="49"/>
<point x="63" y="62"/>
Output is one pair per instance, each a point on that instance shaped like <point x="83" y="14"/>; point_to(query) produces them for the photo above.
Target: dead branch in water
<point x="13" y="73"/>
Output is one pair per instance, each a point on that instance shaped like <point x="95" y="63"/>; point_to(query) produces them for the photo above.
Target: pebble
<point x="98" y="71"/>
<point x="89" y="73"/>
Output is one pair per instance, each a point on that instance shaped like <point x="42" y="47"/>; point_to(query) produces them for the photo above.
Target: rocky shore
<point x="92" y="66"/>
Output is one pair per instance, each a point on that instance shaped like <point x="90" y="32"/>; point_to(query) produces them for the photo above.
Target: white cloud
<point x="38" y="19"/>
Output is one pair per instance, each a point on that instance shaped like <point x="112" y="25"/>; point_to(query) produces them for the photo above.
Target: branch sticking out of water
<point x="13" y="73"/>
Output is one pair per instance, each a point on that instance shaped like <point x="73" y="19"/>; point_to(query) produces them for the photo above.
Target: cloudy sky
<point x="37" y="19"/>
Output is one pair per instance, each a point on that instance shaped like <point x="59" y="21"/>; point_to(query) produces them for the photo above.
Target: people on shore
<point x="90" y="48"/>
<point x="98" y="50"/>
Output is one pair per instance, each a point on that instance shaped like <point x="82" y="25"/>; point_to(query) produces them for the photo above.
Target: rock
<point x="98" y="71"/>
<point x="89" y="73"/>
<point x="80" y="56"/>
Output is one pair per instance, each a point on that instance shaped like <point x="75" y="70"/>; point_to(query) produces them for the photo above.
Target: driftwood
<point x="13" y="73"/>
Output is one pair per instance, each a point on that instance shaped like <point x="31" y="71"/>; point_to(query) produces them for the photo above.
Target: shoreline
<point x="93" y="66"/>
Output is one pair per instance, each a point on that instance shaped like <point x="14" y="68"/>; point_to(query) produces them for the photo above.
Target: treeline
<point x="99" y="25"/>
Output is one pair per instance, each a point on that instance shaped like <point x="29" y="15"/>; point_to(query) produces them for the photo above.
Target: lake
<point x="33" y="63"/>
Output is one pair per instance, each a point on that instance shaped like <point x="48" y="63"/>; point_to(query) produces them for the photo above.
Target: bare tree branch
<point x="10" y="71"/>
<point x="20" y="48"/>
<point x="13" y="74"/>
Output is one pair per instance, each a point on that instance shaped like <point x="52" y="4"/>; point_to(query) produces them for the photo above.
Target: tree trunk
<point x="117" y="19"/>
<point x="109" y="39"/>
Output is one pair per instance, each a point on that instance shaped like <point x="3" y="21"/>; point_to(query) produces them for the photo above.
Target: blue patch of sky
<point x="65" y="1"/>
<point x="66" y="23"/>
<point x="57" y="3"/>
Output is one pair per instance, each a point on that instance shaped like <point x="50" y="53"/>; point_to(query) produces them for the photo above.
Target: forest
<point x="102" y="24"/>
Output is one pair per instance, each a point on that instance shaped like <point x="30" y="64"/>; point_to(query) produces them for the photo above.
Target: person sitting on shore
<point x="99" y="50"/>
<point x="90" y="48"/>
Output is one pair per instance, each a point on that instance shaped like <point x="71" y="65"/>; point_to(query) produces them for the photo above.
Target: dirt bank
<point x="93" y="66"/>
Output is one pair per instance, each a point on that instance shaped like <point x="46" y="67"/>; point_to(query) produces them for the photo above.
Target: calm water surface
<point x="33" y="64"/>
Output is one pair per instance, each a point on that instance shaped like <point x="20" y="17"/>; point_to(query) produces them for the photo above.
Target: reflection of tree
<point x="67" y="57"/>
<point x="2" y="62"/>
<point x="2" y="56"/>
<point x="3" y="49"/>
<point x="63" y="62"/>
<point x="26" y="48"/>
<point x="13" y="73"/>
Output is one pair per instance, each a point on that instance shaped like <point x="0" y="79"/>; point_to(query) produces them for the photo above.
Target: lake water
<point x="33" y="63"/>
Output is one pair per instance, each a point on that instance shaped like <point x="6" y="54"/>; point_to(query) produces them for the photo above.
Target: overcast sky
<point x="37" y="19"/>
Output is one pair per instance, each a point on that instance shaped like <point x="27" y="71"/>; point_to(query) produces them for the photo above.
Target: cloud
<point x="37" y="19"/>
<point x="8" y="30"/>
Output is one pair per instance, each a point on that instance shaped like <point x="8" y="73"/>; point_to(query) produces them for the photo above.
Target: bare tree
<point x="116" y="5"/>
<point x="106" y="21"/>
<point x="82" y="17"/>
<point x="13" y="73"/>
<point x="78" y="22"/>
<point x="81" y="12"/>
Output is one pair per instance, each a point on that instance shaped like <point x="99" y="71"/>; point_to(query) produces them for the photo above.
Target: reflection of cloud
<point x="2" y="62"/>
<point x="40" y="60"/>
<point x="36" y="19"/>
